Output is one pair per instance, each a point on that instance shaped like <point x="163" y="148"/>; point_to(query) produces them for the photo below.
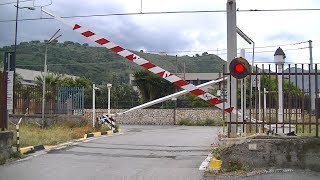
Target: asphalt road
<point x="142" y="152"/>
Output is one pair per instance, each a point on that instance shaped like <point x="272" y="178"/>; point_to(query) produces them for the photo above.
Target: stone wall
<point x="274" y="151"/>
<point x="160" y="116"/>
<point x="6" y="139"/>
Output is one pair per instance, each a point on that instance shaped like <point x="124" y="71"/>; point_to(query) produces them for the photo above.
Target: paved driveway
<point x="142" y="152"/>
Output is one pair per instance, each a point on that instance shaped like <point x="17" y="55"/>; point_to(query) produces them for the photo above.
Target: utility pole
<point x="93" y="104"/>
<point x="44" y="83"/>
<point x="45" y="69"/>
<point x="109" y="99"/>
<point x="312" y="90"/>
<point x="232" y="53"/>
<point x="243" y="91"/>
<point x="184" y="70"/>
<point x="175" y="90"/>
<point x="176" y="68"/>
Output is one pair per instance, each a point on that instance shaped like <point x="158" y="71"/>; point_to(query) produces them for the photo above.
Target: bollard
<point x="215" y="164"/>
<point x="18" y="134"/>
<point x="18" y="141"/>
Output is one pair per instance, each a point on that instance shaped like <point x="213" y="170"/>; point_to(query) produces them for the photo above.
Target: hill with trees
<point x="100" y="64"/>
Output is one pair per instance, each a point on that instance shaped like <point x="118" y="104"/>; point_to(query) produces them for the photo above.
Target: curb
<point x="204" y="165"/>
<point x="97" y="134"/>
<point x="31" y="149"/>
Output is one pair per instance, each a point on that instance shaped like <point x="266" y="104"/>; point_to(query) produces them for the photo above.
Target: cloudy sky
<point x="175" y="33"/>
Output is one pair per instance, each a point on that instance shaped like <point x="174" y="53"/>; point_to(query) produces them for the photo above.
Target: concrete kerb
<point x="33" y="149"/>
<point x="97" y="134"/>
<point x="262" y="151"/>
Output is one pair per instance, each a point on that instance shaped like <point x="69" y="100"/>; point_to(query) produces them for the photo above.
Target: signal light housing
<point x="239" y="68"/>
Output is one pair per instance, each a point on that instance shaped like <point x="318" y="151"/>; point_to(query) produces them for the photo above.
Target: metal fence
<point x="266" y="110"/>
<point x="61" y="100"/>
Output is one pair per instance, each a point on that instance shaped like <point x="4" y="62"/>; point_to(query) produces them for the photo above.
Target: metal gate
<point x="279" y="99"/>
<point x="70" y="100"/>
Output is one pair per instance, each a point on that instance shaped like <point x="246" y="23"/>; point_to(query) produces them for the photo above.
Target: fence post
<point x="18" y="138"/>
<point x="18" y="134"/>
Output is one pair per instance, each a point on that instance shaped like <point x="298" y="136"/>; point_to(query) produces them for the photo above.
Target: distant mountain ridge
<point x="100" y="64"/>
<point x="306" y="80"/>
<point x="301" y="84"/>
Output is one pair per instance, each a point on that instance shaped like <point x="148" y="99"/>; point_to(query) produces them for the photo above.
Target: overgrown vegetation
<point x="232" y="166"/>
<point x="32" y="134"/>
<point x="216" y="153"/>
<point x="207" y="122"/>
<point x="152" y="86"/>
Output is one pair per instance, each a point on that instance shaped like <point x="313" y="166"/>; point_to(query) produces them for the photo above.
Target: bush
<point x="185" y="122"/>
<point x="216" y="152"/>
<point x="79" y="132"/>
<point x="207" y="122"/>
<point x="2" y="161"/>
<point x="235" y="166"/>
<point x="70" y="121"/>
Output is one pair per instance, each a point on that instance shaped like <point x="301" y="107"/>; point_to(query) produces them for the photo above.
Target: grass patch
<point x="33" y="134"/>
<point x="2" y="161"/>
<point x="207" y="122"/>
<point x="306" y="130"/>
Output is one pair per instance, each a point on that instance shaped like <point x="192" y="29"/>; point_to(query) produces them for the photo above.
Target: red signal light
<point x="239" y="68"/>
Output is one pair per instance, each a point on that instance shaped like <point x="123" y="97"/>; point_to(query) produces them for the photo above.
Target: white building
<point x="193" y="78"/>
<point x="29" y="76"/>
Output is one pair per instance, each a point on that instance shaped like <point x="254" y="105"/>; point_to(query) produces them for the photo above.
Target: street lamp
<point x="109" y="91"/>
<point x="279" y="58"/>
<point x="54" y="37"/>
<point x="94" y="88"/>
<point x="16" y="28"/>
<point x="243" y="81"/>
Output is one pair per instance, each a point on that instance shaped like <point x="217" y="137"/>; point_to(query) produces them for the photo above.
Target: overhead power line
<point x="15" y="2"/>
<point x="166" y="12"/>
<point x="220" y="50"/>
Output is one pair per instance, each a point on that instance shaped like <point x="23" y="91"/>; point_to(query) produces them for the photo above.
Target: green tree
<point x="152" y="86"/>
<point x="122" y="95"/>
<point x="52" y="81"/>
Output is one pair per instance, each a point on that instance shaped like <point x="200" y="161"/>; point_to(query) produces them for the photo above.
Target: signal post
<point x="239" y="68"/>
<point x="232" y="53"/>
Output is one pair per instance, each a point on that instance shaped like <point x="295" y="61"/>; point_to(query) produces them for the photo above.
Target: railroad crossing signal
<point x="239" y="68"/>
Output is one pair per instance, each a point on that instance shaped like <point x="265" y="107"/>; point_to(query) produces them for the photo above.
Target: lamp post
<point x="45" y="69"/>
<point x="94" y="88"/>
<point x="243" y="81"/>
<point x="279" y="58"/>
<point x="16" y="27"/>
<point x="109" y="91"/>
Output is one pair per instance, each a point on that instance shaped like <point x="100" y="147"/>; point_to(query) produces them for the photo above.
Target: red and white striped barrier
<point x="146" y="64"/>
